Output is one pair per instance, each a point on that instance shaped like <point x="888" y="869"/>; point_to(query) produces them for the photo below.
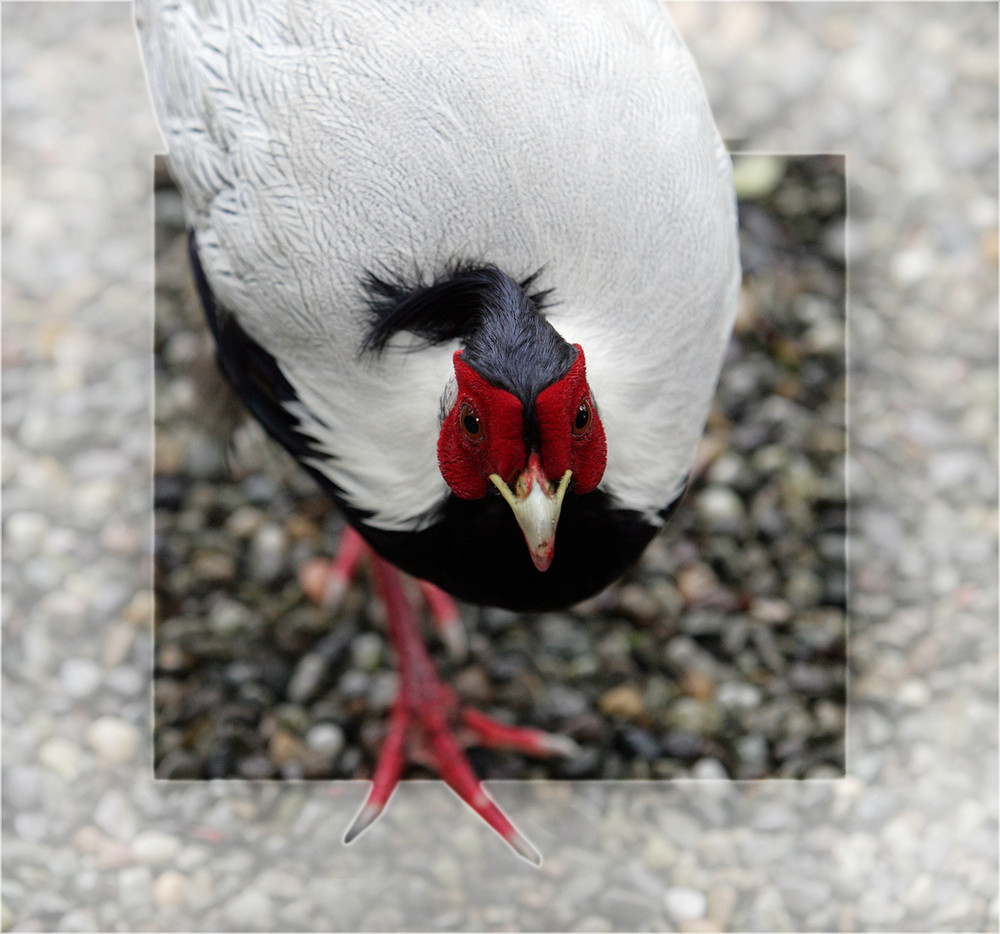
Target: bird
<point x="475" y="266"/>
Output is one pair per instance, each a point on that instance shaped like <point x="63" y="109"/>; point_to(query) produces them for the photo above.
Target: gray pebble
<point x="80" y="677"/>
<point x="366" y="651"/>
<point x="721" y="509"/>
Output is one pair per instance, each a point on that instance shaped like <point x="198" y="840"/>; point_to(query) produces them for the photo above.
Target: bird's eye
<point x="581" y="421"/>
<point x="470" y="423"/>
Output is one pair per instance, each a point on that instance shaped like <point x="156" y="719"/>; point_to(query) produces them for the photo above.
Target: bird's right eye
<point x="470" y="423"/>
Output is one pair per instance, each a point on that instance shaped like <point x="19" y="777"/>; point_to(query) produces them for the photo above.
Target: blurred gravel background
<point x="907" y="840"/>
<point x="722" y="654"/>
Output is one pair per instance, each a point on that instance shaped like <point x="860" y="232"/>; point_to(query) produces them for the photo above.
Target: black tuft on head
<point x="507" y="338"/>
<point x="449" y="308"/>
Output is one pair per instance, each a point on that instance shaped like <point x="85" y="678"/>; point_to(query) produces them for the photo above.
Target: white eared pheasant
<point x="475" y="265"/>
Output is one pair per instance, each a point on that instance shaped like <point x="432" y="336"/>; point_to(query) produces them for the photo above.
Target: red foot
<point x="425" y="711"/>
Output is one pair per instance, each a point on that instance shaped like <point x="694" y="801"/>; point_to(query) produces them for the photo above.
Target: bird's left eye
<point x="470" y="423"/>
<point x="581" y="420"/>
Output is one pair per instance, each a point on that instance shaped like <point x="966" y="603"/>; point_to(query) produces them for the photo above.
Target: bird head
<point x="533" y="451"/>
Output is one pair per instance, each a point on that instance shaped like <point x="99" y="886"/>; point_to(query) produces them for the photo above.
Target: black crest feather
<point x="449" y="308"/>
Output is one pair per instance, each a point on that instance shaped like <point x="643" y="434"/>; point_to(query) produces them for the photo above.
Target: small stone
<point x="721" y="509"/>
<point x="383" y="689"/>
<point x="624" y="701"/>
<point x="559" y="703"/>
<point x="285" y="748"/>
<point x="694" y="716"/>
<point x="251" y="909"/>
<point x="117" y="644"/>
<point x="592" y="923"/>
<point x="79" y="677"/>
<point x="914" y="693"/>
<point x="697" y="683"/>
<point x="113" y="739"/>
<point x="638" y="603"/>
<point x="756" y="177"/>
<point x="115" y="815"/>
<point x="154" y="846"/>
<point x="135" y="889"/>
<point x="684" y="903"/>
<point x="738" y="695"/>
<point x="770" y="610"/>
<point x="127" y="681"/>
<point x="78" y="919"/>
<point x="325" y="739"/>
<point x="659" y="853"/>
<point x="228" y="616"/>
<point x="803" y="589"/>
<point x="366" y="651"/>
<point x="25" y="532"/>
<point x="60" y="756"/>
<point x="209" y="565"/>
<point x="171" y="889"/>
<point x="473" y="686"/>
<point x="639" y="743"/>
<point x="709" y="768"/>
<point x="267" y="552"/>
<point x="310" y="673"/>
<point x="696" y="582"/>
<point x="721" y="901"/>
<point x="244" y="521"/>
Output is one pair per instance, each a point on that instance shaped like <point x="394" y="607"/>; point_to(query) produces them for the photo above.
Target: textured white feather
<point x="316" y="140"/>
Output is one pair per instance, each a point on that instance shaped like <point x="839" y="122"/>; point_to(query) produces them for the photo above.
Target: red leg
<point x="446" y="619"/>
<point x="426" y="710"/>
<point x="326" y="582"/>
<point x="422" y="711"/>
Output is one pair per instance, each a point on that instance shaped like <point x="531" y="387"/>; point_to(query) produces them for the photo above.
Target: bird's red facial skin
<point x="467" y="461"/>
<point x="572" y="433"/>
<point x="571" y="439"/>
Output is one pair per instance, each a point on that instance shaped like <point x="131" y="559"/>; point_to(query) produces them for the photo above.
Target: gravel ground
<point x="722" y="654"/>
<point x="906" y="840"/>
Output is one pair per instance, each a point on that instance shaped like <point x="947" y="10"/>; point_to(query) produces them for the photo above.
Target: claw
<point x="521" y="845"/>
<point x="367" y="816"/>
<point x="497" y="735"/>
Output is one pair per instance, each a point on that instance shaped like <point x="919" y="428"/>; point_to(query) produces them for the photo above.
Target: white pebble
<point x="113" y="739"/>
<point x="708" y="768"/>
<point x="60" y="756"/>
<point x="154" y="846"/>
<point x="685" y="904"/>
<point x="25" y="531"/>
<point x="325" y="738"/>
<point x="171" y="889"/>
<point x="80" y="677"/>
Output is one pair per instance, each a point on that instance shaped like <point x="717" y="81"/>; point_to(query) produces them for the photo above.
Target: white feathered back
<point x="316" y="140"/>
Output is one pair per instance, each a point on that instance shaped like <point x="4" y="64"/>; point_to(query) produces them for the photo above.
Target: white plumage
<point x="315" y="141"/>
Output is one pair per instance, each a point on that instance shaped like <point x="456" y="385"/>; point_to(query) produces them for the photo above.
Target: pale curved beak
<point x="536" y="505"/>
